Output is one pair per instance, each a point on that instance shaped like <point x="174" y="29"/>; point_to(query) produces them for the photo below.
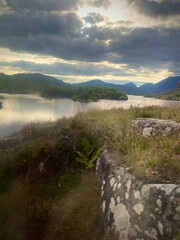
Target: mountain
<point x="36" y="83"/>
<point x="130" y="84"/>
<point x="129" y="88"/>
<point x="28" y="83"/>
<point x="168" y="84"/>
<point x="148" y="87"/>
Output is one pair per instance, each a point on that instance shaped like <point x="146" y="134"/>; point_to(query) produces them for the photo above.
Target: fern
<point x="89" y="154"/>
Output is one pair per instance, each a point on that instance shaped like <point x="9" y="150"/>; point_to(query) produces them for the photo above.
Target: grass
<point x="70" y="215"/>
<point x="47" y="192"/>
<point x="156" y="158"/>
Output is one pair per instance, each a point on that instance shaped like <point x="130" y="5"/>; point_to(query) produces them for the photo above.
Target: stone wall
<point x="133" y="209"/>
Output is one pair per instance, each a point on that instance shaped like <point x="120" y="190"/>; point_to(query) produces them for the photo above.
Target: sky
<point x="80" y="40"/>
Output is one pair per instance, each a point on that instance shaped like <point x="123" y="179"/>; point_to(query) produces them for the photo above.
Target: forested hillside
<point x="84" y="94"/>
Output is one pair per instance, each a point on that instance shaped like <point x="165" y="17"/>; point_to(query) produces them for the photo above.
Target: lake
<point x="20" y="109"/>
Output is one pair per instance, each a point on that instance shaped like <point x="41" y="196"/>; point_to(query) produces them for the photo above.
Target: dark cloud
<point x="147" y="47"/>
<point x="28" y="23"/>
<point x="99" y="3"/>
<point x="57" y="34"/>
<point x="94" y="18"/>
<point x="45" y="5"/>
<point x="105" y="33"/>
<point x="140" y="47"/>
<point x="61" y="34"/>
<point x="156" y="8"/>
<point x="82" y="48"/>
<point x="136" y="47"/>
<point x="66" y="69"/>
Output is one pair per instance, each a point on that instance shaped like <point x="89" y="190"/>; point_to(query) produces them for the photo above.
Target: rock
<point x="147" y="132"/>
<point x="134" y="209"/>
<point x="150" y="126"/>
<point x="167" y="131"/>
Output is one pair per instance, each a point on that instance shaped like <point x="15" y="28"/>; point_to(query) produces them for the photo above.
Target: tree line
<point x="84" y="93"/>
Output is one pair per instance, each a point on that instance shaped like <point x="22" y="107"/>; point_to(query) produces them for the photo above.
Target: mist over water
<point x="19" y="110"/>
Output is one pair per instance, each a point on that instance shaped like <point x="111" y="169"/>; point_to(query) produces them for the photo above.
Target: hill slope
<point x="28" y="83"/>
<point x="36" y="83"/>
<point x="53" y="88"/>
<point x="172" y="95"/>
<point x="168" y="84"/>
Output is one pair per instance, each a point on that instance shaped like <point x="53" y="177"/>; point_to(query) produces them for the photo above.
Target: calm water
<point x="19" y="110"/>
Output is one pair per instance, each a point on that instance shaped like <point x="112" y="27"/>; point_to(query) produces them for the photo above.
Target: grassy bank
<point x="172" y="95"/>
<point x="47" y="188"/>
<point x="155" y="158"/>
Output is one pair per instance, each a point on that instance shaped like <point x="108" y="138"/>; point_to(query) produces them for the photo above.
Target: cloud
<point x="61" y="34"/>
<point x="157" y="8"/>
<point x="140" y="47"/>
<point x="48" y="33"/>
<point x="108" y="32"/>
<point x="66" y="69"/>
<point x="94" y="18"/>
<point x="99" y="3"/>
<point x="28" y="24"/>
<point x="147" y="47"/>
<point x="40" y="5"/>
<point x="2" y="4"/>
<point x="81" y="48"/>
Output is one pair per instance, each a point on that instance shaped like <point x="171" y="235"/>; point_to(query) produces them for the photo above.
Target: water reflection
<point x="19" y="110"/>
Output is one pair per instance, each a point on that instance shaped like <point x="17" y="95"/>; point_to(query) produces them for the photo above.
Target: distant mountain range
<point x="36" y="83"/>
<point x="128" y="88"/>
<point x="168" y="84"/>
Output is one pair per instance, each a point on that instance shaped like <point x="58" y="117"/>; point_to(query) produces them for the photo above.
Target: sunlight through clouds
<point x="85" y="39"/>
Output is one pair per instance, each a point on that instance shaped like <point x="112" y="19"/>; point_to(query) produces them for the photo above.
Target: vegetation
<point x="45" y="191"/>
<point x="174" y="95"/>
<point x="50" y="87"/>
<point x="84" y="94"/>
<point x="47" y="188"/>
<point x="36" y="83"/>
<point x="155" y="158"/>
<point x="129" y="88"/>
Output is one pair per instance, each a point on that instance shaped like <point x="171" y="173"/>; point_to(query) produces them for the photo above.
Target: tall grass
<point x="77" y="216"/>
<point x="156" y="157"/>
<point x="45" y="193"/>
